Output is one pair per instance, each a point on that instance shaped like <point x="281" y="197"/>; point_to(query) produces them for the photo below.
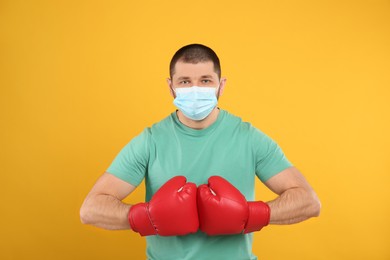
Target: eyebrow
<point x="183" y="78"/>
<point x="202" y="77"/>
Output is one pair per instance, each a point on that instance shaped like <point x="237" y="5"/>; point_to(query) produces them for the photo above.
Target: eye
<point x="184" y="82"/>
<point x="206" y="81"/>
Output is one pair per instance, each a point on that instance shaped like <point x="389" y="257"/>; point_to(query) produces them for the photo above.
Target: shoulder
<point x="239" y="123"/>
<point x="233" y="120"/>
<point x="254" y="135"/>
<point x="162" y="126"/>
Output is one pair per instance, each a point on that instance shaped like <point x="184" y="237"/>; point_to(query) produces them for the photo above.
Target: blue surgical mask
<point x="195" y="102"/>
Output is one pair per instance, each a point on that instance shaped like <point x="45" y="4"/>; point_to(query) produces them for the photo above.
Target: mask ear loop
<point x="173" y="92"/>
<point x="219" y="90"/>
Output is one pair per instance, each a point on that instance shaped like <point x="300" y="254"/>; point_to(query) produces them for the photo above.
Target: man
<point x="210" y="213"/>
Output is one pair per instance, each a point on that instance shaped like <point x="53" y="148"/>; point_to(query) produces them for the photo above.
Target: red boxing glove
<point x="224" y="210"/>
<point x="172" y="210"/>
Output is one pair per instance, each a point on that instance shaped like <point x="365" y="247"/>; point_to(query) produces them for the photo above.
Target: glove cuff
<point x="259" y="216"/>
<point x="140" y="221"/>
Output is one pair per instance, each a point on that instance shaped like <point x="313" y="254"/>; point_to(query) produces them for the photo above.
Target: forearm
<point x="293" y="206"/>
<point x="105" y="211"/>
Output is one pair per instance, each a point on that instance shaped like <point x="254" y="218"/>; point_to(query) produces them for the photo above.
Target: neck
<point x="198" y="125"/>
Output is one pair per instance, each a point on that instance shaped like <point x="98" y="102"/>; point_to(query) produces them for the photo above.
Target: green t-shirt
<point x="229" y="147"/>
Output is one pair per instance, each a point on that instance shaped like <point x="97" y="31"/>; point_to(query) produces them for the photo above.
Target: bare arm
<point x="103" y="206"/>
<point x="296" y="201"/>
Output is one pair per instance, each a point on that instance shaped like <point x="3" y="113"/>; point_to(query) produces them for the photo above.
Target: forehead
<point x="194" y="70"/>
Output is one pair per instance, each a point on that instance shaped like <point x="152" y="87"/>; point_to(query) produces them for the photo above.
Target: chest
<point x="199" y="158"/>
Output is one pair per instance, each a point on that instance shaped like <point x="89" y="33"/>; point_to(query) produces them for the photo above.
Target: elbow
<point x="315" y="206"/>
<point x="85" y="215"/>
<point x="316" y="209"/>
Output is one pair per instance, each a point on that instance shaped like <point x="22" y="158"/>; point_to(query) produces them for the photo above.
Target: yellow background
<point x="79" y="79"/>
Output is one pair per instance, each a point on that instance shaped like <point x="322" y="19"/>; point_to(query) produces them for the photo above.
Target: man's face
<point x="201" y="74"/>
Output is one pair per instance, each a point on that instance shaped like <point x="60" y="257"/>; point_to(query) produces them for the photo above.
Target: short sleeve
<point x="131" y="162"/>
<point x="270" y="159"/>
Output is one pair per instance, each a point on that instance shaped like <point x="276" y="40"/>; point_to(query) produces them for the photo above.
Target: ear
<point x="169" y="81"/>
<point x="222" y="85"/>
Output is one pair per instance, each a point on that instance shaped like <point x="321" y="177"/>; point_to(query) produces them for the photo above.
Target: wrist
<point x="139" y="220"/>
<point x="259" y="216"/>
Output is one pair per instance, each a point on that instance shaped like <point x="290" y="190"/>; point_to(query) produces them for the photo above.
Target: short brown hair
<point x="194" y="53"/>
